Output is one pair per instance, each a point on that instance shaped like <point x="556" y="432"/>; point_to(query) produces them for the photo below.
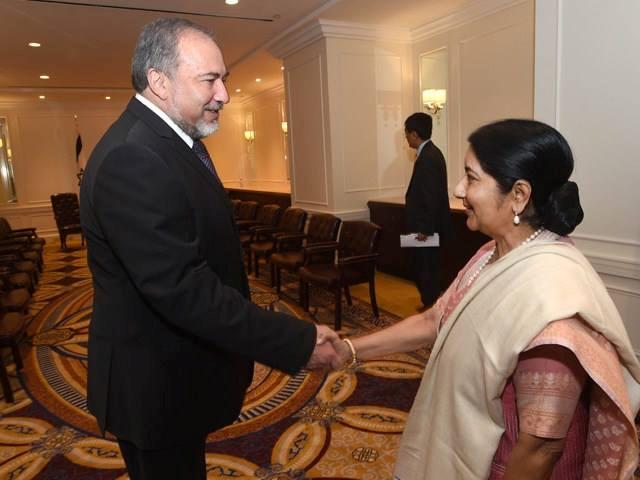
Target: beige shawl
<point x="456" y="421"/>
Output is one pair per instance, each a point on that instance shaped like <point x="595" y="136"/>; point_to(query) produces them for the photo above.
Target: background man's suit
<point x="172" y="339"/>
<point x="427" y="211"/>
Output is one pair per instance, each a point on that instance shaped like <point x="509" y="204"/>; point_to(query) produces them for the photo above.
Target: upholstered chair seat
<point x="322" y="228"/>
<point x="357" y="250"/>
<point x="265" y="242"/>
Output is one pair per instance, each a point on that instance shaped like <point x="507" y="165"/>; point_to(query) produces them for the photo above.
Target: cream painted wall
<point x="261" y="164"/>
<point x="347" y="98"/>
<point x="227" y="147"/>
<point x="43" y="146"/>
<point x="350" y="88"/>
<point x="369" y="100"/>
<point x="309" y="137"/>
<point x="490" y="73"/>
<point x="587" y="87"/>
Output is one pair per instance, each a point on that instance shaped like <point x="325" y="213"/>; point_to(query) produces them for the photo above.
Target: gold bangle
<point x="354" y="357"/>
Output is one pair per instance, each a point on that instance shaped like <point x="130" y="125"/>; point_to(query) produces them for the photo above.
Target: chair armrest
<point x="16" y="239"/>
<point x="264" y="231"/>
<point x="356" y="259"/>
<point x="288" y="241"/>
<point x="319" y="249"/>
<point x="247" y="224"/>
<point x="30" y="233"/>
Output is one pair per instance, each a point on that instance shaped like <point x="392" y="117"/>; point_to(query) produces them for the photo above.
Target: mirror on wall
<point x="434" y="76"/>
<point x="7" y="186"/>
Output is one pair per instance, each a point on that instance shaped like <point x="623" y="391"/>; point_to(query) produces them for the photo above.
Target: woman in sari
<point x="531" y="373"/>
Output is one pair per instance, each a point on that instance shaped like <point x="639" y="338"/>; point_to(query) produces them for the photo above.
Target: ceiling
<point x="86" y="45"/>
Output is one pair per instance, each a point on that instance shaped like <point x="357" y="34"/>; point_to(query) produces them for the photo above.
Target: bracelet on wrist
<point x="354" y="357"/>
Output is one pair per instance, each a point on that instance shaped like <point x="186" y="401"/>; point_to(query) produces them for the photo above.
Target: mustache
<point x="216" y="107"/>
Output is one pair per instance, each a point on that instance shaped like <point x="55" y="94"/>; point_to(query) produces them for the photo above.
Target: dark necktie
<point x="201" y="151"/>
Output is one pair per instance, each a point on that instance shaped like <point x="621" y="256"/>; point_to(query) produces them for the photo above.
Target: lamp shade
<point x="433" y="96"/>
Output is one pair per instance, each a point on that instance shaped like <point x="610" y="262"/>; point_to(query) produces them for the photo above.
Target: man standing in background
<point x="426" y="205"/>
<point x="173" y="336"/>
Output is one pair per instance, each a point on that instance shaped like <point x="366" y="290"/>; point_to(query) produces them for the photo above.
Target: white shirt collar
<point x="421" y="147"/>
<point x="155" y="109"/>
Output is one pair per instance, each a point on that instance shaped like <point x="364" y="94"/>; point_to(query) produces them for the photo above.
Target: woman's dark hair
<point x="513" y="149"/>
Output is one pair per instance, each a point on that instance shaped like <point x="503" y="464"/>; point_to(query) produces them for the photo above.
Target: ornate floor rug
<point x="341" y="425"/>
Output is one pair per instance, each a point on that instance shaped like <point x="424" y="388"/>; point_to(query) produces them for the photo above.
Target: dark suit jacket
<point x="427" y="200"/>
<point x="173" y="337"/>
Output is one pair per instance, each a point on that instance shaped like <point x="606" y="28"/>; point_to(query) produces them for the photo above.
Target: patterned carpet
<point x="342" y="425"/>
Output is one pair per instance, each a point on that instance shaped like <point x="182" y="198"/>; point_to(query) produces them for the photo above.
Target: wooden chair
<point x="66" y="210"/>
<point x="12" y="327"/>
<point x="357" y="251"/>
<point x="235" y="205"/>
<point x="289" y="252"/>
<point x="246" y="214"/>
<point x="6" y="232"/>
<point x="291" y="223"/>
<point x="268" y="216"/>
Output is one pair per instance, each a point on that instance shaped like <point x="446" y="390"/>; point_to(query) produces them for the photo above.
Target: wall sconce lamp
<point x="249" y="135"/>
<point x="434" y="100"/>
<point x="285" y="127"/>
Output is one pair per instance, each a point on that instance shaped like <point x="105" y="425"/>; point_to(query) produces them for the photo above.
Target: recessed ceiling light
<point x="231" y="2"/>
<point x="34" y="44"/>
<point x="107" y="97"/>
<point x="282" y="67"/>
<point x="44" y="77"/>
<point x="42" y="97"/>
<point x="258" y="80"/>
<point x="238" y="90"/>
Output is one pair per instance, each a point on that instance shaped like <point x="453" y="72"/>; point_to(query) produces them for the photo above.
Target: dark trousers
<point x="183" y="462"/>
<point x="426" y="264"/>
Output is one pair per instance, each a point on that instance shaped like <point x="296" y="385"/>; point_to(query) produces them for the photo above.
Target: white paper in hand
<point x="411" y="241"/>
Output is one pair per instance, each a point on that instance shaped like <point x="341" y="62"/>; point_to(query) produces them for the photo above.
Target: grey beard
<point x="201" y="129"/>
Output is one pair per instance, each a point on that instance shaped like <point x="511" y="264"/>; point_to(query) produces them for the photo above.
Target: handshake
<point x="330" y="351"/>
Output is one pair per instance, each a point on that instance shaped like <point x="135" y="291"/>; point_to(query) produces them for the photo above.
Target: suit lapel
<point x="173" y="140"/>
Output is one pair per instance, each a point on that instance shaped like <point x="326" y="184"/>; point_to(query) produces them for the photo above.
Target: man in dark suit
<point x="427" y="205"/>
<point x="173" y="336"/>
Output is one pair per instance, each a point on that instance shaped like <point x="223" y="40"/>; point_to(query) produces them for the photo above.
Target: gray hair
<point x="157" y="47"/>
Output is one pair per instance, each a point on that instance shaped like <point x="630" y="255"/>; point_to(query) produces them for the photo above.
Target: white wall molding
<point x="357" y="214"/>
<point x="361" y="31"/>
<point x="611" y="256"/>
<point x="277" y="91"/>
<point x="473" y="13"/>
<point x="616" y="267"/>
<point x="316" y="30"/>
<point x="296" y="40"/>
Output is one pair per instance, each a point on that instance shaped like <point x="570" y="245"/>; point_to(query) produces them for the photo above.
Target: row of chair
<point x="21" y="261"/>
<point x="329" y="253"/>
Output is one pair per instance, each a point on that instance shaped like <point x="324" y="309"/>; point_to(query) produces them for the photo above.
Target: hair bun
<point x="563" y="212"/>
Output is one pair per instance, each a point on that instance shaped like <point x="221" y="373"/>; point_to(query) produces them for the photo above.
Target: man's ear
<point x="158" y="83"/>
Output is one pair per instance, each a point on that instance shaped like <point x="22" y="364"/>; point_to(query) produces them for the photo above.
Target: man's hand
<point x="324" y="355"/>
<point x="343" y="352"/>
<point x="421" y="237"/>
<point x="324" y="334"/>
